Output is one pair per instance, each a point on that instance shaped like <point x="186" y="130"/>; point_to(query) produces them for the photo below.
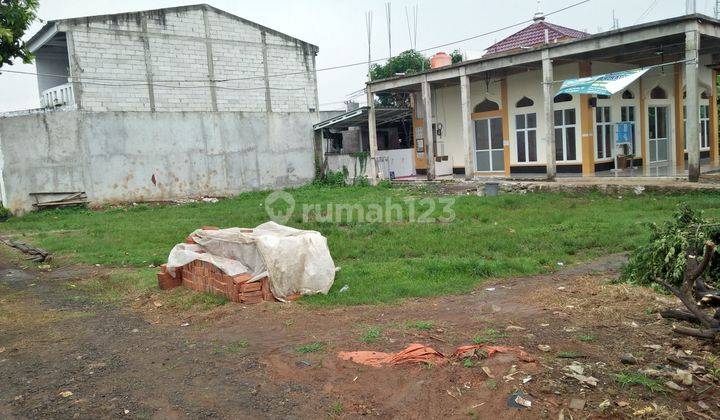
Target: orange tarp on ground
<point x="419" y="353"/>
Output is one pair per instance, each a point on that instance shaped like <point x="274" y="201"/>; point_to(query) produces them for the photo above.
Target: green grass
<point x="185" y="299"/>
<point x="371" y="334"/>
<point x="488" y="335"/>
<point x="508" y="235"/>
<point x="311" y="348"/>
<point x="336" y="409"/>
<point x="635" y="378"/>
<point x="586" y="338"/>
<point x="419" y="325"/>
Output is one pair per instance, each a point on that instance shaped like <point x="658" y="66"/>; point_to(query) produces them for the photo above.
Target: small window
<point x="628" y="95"/>
<point x="603" y="96"/>
<point x="563" y="97"/>
<point x="486" y="105"/>
<point x="524" y="102"/>
<point x="658" y="93"/>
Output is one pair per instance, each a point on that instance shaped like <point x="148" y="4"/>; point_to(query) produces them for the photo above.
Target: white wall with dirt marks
<point x="113" y="156"/>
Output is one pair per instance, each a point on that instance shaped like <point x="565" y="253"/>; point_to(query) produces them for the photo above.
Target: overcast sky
<point x="338" y="28"/>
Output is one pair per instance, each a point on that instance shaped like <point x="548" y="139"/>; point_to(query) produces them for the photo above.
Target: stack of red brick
<point x="203" y="276"/>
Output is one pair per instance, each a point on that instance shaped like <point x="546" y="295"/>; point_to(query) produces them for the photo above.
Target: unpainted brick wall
<point x="111" y="60"/>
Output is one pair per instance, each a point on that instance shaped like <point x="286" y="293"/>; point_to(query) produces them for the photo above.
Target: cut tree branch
<point x="695" y="332"/>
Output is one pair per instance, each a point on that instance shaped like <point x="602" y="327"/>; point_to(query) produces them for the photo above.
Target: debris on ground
<point x="577" y="371"/>
<point x="519" y="399"/>
<point x="675" y="387"/>
<point x="577" y="404"/>
<point x="543" y="347"/>
<point x="420" y="353"/>
<point x="628" y="359"/>
<point x="37" y="255"/>
<point x="683" y="376"/>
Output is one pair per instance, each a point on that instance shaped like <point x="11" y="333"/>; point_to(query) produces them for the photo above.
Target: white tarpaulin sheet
<point x="295" y="261"/>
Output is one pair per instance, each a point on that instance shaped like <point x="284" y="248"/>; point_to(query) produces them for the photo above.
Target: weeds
<point x="419" y="325"/>
<point x="713" y="366"/>
<point x="336" y="409"/>
<point x="311" y="348"/>
<point x="371" y="334"/>
<point x="236" y="346"/>
<point x="586" y="338"/>
<point x="635" y="378"/>
<point x="488" y="335"/>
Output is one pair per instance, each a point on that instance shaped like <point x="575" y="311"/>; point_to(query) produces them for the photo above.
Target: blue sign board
<point x="624" y="133"/>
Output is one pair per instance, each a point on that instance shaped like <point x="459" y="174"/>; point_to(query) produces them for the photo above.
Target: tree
<point x="15" y="18"/>
<point x="456" y="56"/>
<point x="681" y="258"/>
<point x="407" y="62"/>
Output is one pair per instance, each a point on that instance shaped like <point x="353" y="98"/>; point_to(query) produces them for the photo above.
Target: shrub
<point x="4" y="213"/>
<point x="665" y="254"/>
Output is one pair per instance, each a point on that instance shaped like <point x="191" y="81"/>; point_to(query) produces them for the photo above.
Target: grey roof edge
<point x="357" y="112"/>
<point x="199" y="6"/>
<point x="590" y="37"/>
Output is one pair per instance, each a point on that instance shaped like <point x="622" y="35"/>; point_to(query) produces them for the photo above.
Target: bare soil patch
<point x="280" y="360"/>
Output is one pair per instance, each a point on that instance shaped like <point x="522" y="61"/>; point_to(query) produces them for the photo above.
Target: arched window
<point x="524" y="102"/>
<point x="658" y="93"/>
<point x="628" y="95"/>
<point x="563" y="97"/>
<point x="703" y="95"/>
<point x="486" y="105"/>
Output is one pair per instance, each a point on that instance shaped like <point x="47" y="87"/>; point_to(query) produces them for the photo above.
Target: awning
<point x="359" y="117"/>
<point x="602" y="84"/>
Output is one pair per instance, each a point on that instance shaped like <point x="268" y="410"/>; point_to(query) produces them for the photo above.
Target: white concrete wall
<point x="116" y="56"/>
<point x="446" y="110"/>
<point x="399" y="161"/>
<point x="113" y="155"/>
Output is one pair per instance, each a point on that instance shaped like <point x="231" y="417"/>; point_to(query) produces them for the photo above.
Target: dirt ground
<point x="65" y="356"/>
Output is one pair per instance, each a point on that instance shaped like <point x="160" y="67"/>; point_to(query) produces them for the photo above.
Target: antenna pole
<point x="387" y="13"/>
<point x="368" y="25"/>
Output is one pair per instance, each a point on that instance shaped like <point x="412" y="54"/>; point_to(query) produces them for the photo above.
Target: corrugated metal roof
<point x="359" y="116"/>
<point x="534" y="35"/>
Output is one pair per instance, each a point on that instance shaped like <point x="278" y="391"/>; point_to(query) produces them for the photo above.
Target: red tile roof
<point x="534" y="35"/>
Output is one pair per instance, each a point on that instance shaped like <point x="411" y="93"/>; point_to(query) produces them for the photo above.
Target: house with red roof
<point x="552" y="101"/>
<point x="540" y="32"/>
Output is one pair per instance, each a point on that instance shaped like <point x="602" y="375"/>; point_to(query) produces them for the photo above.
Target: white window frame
<point x="563" y="131"/>
<point x="704" y="125"/>
<point x="609" y="154"/>
<point x="525" y="131"/>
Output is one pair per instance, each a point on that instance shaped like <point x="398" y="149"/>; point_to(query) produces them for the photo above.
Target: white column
<point x="429" y="135"/>
<point x="549" y="120"/>
<point x="372" y="171"/>
<point x="467" y="135"/>
<point x="692" y="133"/>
